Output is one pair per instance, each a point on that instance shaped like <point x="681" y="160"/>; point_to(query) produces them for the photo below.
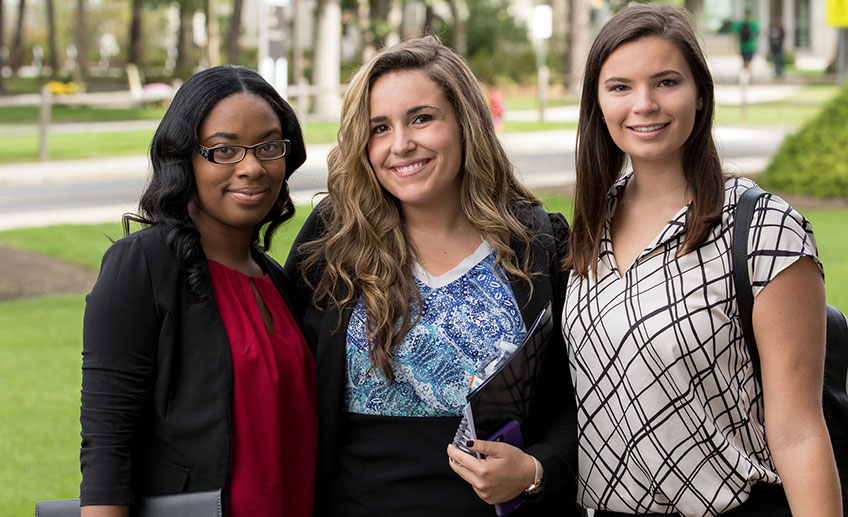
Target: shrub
<point x="815" y="159"/>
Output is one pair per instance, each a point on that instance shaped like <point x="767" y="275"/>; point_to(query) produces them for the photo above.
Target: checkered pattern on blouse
<point x="669" y="414"/>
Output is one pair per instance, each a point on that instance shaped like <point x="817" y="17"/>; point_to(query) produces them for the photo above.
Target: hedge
<point x="814" y="160"/>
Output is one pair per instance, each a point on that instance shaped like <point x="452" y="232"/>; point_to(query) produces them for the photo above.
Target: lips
<point x="249" y="196"/>
<point x="648" y="128"/>
<point x="409" y="168"/>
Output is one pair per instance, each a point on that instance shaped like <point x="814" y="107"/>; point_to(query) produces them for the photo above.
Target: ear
<point x="700" y="104"/>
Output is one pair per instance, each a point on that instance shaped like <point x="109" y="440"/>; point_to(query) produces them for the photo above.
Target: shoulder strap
<point x="739" y="265"/>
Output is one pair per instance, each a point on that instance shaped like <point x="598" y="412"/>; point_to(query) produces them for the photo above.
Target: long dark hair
<point x="171" y="187"/>
<point x="600" y="162"/>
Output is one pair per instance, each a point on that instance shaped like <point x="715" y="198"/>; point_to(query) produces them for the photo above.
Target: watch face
<point x="535" y="488"/>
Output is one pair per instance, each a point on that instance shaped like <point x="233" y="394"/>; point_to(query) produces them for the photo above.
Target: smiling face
<point x="415" y="147"/>
<point x="237" y="196"/>
<point x="649" y="100"/>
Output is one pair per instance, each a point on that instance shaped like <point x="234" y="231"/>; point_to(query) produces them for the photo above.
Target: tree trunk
<point x="135" y="43"/>
<point x="213" y="35"/>
<point x="328" y="60"/>
<point x="459" y="12"/>
<point x="394" y="19"/>
<point x="363" y="22"/>
<point x="581" y="39"/>
<point x="233" y="55"/>
<point x="81" y="72"/>
<point x="2" y="43"/>
<point x="184" y="41"/>
<point x="52" y="49"/>
<point x="17" y="55"/>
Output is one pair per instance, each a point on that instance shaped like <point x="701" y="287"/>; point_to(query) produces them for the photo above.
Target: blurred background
<point x="83" y="84"/>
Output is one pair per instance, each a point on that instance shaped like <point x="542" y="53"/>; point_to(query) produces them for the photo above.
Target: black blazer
<point x="157" y="377"/>
<point x="551" y="430"/>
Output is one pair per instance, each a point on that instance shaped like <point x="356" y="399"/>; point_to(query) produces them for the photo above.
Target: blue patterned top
<point x="466" y="313"/>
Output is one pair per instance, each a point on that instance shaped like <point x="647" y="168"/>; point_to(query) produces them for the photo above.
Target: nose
<point x="402" y="141"/>
<point x="250" y="166"/>
<point x="645" y="101"/>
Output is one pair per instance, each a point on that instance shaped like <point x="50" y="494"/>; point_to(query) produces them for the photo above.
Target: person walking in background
<point x="747" y="31"/>
<point x="426" y="255"/>
<point x="195" y="375"/>
<point x="672" y="418"/>
<point x="776" y="35"/>
<point x="497" y="107"/>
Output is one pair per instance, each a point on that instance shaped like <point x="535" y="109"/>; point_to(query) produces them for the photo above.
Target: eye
<point x="379" y="128"/>
<point x="422" y="118"/>
<point x="269" y="147"/>
<point x="667" y="82"/>
<point x="619" y="88"/>
<point x="224" y="152"/>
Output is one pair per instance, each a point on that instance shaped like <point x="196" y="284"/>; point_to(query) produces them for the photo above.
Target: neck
<point x="226" y="245"/>
<point x="431" y="223"/>
<point x="658" y="183"/>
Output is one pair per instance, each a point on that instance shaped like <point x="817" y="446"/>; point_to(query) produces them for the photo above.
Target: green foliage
<point x="499" y="48"/>
<point x="815" y="160"/>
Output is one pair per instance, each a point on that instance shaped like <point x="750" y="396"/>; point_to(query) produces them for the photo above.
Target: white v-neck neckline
<point x="435" y="282"/>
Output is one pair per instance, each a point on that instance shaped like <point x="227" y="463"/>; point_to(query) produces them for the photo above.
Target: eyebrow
<point x="233" y="136"/>
<point x="654" y="76"/>
<point x="410" y="111"/>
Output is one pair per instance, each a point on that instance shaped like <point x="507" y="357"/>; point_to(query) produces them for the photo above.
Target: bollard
<point x="44" y="121"/>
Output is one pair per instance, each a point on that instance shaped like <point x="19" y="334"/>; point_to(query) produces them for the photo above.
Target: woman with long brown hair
<point x="671" y="417"/>
<point x="426" y="256"/>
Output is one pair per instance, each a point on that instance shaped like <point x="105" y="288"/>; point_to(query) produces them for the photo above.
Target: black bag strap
<point x="739" y="264"/>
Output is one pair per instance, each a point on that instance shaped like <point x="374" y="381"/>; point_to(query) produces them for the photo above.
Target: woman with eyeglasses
<point x="195" y="375"/>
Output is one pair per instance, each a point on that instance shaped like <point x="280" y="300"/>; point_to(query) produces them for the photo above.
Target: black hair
<point x="171" y="188"/>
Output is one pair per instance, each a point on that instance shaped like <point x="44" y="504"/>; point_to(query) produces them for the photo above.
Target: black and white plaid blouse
<point x="670" y="417"/>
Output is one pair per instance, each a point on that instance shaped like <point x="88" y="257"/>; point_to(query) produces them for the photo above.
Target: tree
<point x="2" y="40"/>
<point x="459" y="13"/>
<point x="135" y="44"/>
<point x="17" y="54"/>
<point x="81" y="72"/>
<point x="233" y="55"/>
<point x="213" y="35"/>
<point x="53" y="49"/>
<point x="184" y="39"/>
<point x="328" y="59"/>
<point x="580" y="40"/>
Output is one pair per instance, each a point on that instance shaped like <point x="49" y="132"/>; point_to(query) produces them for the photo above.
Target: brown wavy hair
<point x="599" y="162"/>
<point x="363" y="250"/>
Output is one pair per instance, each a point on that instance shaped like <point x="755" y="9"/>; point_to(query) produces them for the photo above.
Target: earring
<point x="700" y="103"/>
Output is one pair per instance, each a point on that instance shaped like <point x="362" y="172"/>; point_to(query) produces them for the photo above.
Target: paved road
<point x="101" y="190"/>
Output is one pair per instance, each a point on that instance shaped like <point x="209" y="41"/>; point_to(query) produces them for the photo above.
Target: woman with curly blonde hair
<point x="426" y="256"/>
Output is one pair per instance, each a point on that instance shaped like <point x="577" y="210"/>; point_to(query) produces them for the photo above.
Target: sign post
<point x="542" y="30"/>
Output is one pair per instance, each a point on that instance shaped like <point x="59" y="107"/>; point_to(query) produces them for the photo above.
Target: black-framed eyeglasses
<point x="229" y="154"/>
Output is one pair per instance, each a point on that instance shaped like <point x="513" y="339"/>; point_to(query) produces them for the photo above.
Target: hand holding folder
<point x="499" y="406"/>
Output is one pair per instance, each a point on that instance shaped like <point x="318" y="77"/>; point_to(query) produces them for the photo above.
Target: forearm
<point x="808" y="471"/>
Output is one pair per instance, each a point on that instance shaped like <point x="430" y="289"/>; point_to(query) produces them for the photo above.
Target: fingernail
<point x="469" y="443"/>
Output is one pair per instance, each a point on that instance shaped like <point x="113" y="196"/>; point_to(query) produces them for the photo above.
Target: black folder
<point x="509" y="392"/>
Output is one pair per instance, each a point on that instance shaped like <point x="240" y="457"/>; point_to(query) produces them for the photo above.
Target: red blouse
<point x="274" y="412"/>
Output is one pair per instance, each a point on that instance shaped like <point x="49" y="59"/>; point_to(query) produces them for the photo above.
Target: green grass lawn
<point x="792" y="111"/>
<point x="42" y="339"/>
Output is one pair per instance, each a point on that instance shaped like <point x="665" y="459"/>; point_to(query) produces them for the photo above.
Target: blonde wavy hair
<point x="363" y="250"/>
